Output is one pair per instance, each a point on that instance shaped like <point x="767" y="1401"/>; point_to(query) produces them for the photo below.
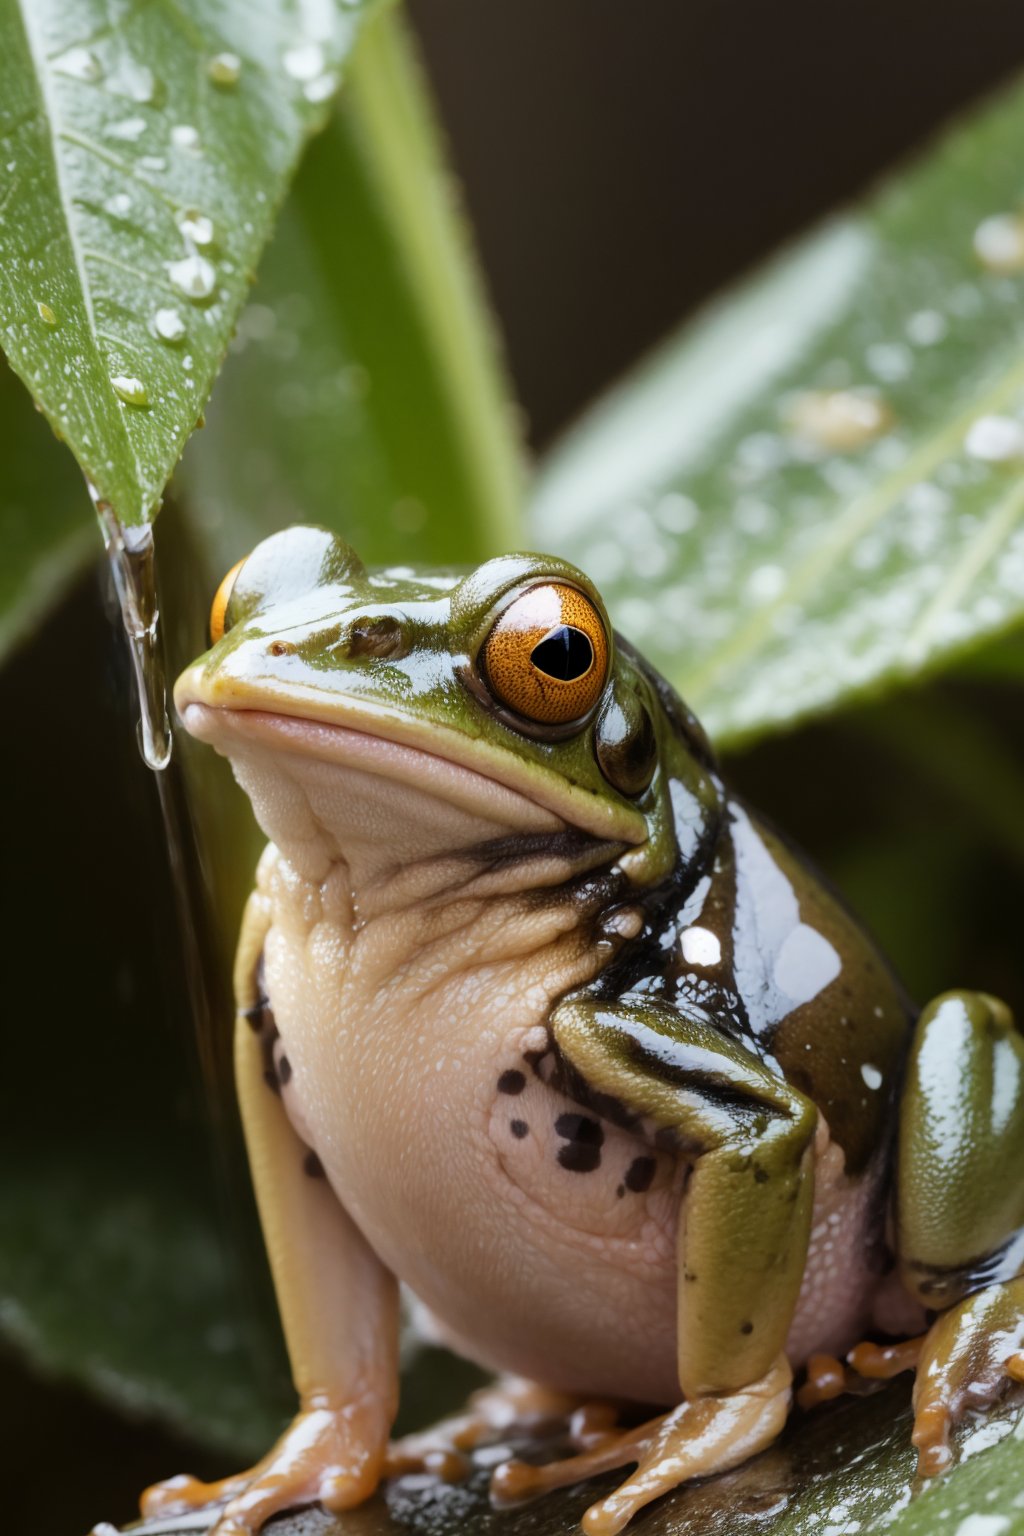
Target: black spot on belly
<point x="746" y="1328"/>
<point x="639" y="1174"/>
<point x="511" y="1081"/>
<point x="519" y="1129"/>
<point x="312" y="1166"/>
<point x="584" y="1139"/>
<point x="284" y="1069"/>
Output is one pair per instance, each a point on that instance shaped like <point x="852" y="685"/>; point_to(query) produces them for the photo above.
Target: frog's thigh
<point x="746" y="1213"/>
<point x="338" y="1304"/>
<point x="960" y="1195"/>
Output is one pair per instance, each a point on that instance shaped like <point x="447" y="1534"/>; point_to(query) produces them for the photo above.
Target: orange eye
<point x="220" y="602"/>
<point x="547" y="655"/>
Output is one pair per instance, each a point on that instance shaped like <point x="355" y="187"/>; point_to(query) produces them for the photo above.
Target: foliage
<point x="812" y="496"/>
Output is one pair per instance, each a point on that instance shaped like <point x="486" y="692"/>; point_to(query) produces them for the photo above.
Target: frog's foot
<point x="330" y="1456"/>
<point x="512" y="1406"/>
<point x="699" y="1438"/>
<point x="969" y="1356"/>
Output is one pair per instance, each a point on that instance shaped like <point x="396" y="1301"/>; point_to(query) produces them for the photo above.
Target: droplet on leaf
<point x="79" y="64"/>
<point x="196" y="227"/>
<point x="169" y="325"/>
<point x="193" y="276"/>
<point x="224" y="70"/>
<point x="999" y="243"/>
<point x="185" y="136"/>
<point x="46" y="314"/>
<point x="322" y="88"/>
<point x="130" y="389"/>
<point x="995" y="439"/>
<point x="305" y="63"/>
<point x="839" y="420"/>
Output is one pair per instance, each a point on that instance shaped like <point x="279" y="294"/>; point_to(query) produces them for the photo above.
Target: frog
<point x="541" y="1022"/>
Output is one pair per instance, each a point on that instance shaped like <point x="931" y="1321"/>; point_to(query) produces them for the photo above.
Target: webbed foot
<point x="330" y="1456"/>
<point x="701" y="1437"/>
<point x="511" y="1406"/>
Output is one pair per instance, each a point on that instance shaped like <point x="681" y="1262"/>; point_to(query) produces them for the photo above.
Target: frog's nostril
<point x="381" y="637"/>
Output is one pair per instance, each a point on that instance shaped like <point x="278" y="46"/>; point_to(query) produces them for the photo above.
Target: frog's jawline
<point x="225" y="726"/>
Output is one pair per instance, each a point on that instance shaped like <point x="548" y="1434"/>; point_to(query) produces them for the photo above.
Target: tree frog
<point x="538" y="1019"/>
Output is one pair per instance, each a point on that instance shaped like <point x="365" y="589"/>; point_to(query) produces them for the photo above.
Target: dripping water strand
<point x="133" y="567"/>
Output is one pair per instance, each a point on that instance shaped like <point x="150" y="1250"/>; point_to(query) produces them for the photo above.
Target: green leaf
<point x="45" y="538"/>
<point x="362" y="391"/>
<point x="815" y="491"/>
<point x="842" y="1469"/>
<point x="144" y="153"/>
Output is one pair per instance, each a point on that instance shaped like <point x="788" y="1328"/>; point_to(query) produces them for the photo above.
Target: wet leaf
<point x="144" y="153"/>
<point x="845" y="1469"/>
<point x="816" y="491"/>
<point x="361" y="391"/>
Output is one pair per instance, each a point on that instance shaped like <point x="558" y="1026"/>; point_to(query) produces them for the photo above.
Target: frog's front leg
<point x="743" y="1236"/>
<point x="338" y="1305"/>
<point x="960" y="1209"/>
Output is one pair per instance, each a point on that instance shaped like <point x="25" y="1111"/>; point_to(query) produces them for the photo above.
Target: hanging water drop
<point x="131" y="556"/>
<point x="46" y="314"/>
<point x="118" y="205"/>
<point x="999" y="243"/>
<point x="196" y="228"/>
<point x="193" y="276"/>
<point x="169" y="325"/>
<point x="79" y="64"/>
<point x="304" y="63"/>
<point x="130" y="389"/>
<point x="224" y="70"/>
<point x="995" y="439"/>
<point x="140" y="84"/>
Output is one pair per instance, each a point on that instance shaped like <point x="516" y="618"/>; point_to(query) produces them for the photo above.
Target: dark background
<point x="620" y="163"/>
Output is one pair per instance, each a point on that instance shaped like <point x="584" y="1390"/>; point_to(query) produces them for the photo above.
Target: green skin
<point x="734" y="1071"/>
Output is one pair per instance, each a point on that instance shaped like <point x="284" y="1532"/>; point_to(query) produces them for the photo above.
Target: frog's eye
<point x="547" y="655"/>
<point x="219" y="607"/>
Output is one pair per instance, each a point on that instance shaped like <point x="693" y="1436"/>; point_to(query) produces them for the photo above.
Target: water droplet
<point x="153" y="162"/>
<point x="765" y="583"/>
<point x="196" y="227"/>
<point x="322" y="88"/>
<point x="46" y="314"/>
<point x="79" y="64"/>
<point x="839" y="420"/>
<point x="140" y="84"/>
<point x="130" y="389"/>
<point x="128" y="128"/>
<point x="130" y="551"/>
<point x="889" y="361"/>
<point x="224" y="69"/>
<point x="193" y="276"/>
<point x="999" y="243"/>
<point x="169" y="325"/>
<point x="995" y="439"/>
<point x="871" y="1075"/>
<point x="119" y="204"/>
<point x="184" y="136"/>
<point x="304" y="63"/>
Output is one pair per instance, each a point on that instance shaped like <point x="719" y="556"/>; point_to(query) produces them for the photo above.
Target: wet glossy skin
<point x="589" y="1056"/>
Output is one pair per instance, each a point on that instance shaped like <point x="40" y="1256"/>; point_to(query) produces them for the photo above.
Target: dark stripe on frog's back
<point x="820" y="1045"/>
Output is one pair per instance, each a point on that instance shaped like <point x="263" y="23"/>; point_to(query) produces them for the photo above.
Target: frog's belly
<point x="542" y="1238"/>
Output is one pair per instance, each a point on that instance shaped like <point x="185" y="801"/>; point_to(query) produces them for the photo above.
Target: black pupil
<point x="565" y="653"/>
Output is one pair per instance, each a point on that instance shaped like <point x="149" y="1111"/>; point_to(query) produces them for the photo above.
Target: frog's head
<point x="395" y="716"/>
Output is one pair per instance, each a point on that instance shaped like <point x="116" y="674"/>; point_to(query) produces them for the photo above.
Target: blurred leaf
<point x="843" y="1469"/>
<point x="815" y="491"/>
<point x="145" y="150"/>
<point x="362" y="393"/>
<point x="44" y="536"/>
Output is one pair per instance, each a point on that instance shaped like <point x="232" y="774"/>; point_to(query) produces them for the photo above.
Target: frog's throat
<point x="473" y="775"/>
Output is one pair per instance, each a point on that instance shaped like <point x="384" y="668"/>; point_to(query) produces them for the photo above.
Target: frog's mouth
<point x="479" y="779"/>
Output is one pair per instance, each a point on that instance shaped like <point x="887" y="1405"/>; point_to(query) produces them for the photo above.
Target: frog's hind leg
<point x="697" y="1439"/>
<point x="742" y="1242"/>
<point x="959" y="1214"/>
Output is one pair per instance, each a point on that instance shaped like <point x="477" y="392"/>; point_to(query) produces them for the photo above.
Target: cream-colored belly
<point x="542" y="1237"/>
